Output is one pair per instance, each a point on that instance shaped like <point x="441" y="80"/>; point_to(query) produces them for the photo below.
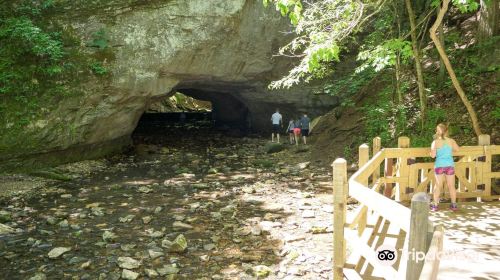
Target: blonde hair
<point x="443" y="128"/>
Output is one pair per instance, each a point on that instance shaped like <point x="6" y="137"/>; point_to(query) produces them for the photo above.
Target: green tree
<point x="464" y="6"/>
<point x="418" y="62"/>
<point x="322" y="28"/>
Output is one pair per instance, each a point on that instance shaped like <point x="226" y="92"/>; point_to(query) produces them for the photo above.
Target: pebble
<point x="261" y="271"/>
<point x="58" y="251"/>
<point x="151" y="273"/>
<point x="144" y="189"/>
<point x="128" y="263"/>
<point x="146" y="219"/>
<point x="181" y="225"/>
<point x="129" y="275"/>
<point x="155" y="254"/>
<point x="209" y="247"/>
<point x="38" y="276"/>
<point x="126" y="219"/>
<point x="167" y="269"/>
<point x="109" y="236"/>
<point x="179" y="245"/>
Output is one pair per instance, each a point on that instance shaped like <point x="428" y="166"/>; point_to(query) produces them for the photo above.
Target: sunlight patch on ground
<point x="472" y="239"/>
<point x="140" y="182"/>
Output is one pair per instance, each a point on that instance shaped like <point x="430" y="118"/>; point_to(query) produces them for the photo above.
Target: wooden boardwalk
<point x="472" y="241"/>
<point x="465" y="242"/>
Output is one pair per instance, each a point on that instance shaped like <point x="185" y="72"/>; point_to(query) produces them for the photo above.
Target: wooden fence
<point x="382" y="217"/>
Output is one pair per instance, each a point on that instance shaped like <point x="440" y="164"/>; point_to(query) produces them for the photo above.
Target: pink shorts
<point x="448" y="170"/>
<point x="296" y="131"/>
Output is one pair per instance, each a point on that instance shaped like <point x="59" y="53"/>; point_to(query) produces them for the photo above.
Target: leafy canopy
<point x="321" y="28"/>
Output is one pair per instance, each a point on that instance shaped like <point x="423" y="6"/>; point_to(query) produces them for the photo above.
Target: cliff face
<point x="219" y="50"/>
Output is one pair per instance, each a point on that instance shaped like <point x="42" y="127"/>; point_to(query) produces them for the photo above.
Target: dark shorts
<point x="305" y="132"/>
<point x="290" y="131"/>
<point x="276" y="128"/>
<point x="448" y="170"/>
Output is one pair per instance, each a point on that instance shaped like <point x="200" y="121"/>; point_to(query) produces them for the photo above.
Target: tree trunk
<point x="442" y="69"/>
<point x="449" y="68"/>
<point x="397" y="68"/>
<point x="397" y="74"/>
<point x="488" y="20"/>
<point x="418" y="62"/>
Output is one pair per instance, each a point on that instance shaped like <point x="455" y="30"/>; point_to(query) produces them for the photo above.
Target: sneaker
<point x="434" y="208"/>
<point x="453" y="207"/>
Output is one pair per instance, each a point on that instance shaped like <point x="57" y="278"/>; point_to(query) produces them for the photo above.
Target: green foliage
<point x="98" y="68"/>
<point x="348" y="154"/>
<point x="347" y="86"/>
<point x="464" y="6"/>
<point x="425" y="137"/>
<point x="385" y="54"/>
<point x="389" y="120"/>
<point x="290" y="8"/>
<point x="27" y="55"/>
<point x="322" y="28"/>
<point x="36" y="69"/>
<point x="263" y="163"/>
<point x="377" y="124"/>
<point x="495" y="114"/>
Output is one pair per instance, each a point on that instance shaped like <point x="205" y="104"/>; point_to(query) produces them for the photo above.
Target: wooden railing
<point x="413" y="172"/>
<point x="382" y="219"/>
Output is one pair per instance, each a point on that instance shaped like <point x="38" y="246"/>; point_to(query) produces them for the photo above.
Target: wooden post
<point x="377" y="145"/>
<point x="403" y="170"/>
<point x="484" y="140"/>
<point x="364" y="154"/>
<point x="340" y="192"/>
<point x="417" y="241"/>
<point x="388" y="163"/>
<point x="484" y="168"/>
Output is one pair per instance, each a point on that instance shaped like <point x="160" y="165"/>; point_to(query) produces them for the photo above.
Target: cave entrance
<point x="171" y="115"/>
<point x="228" y="111"/>
<point x="192" y="112"/>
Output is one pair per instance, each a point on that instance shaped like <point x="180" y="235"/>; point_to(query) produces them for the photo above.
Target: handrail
<point x="424" y="152"/>
<point x="366" y="170"/>
<point x="389" y="209"/>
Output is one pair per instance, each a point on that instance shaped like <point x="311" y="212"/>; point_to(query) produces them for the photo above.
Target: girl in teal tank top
<point x="444" y="167"/>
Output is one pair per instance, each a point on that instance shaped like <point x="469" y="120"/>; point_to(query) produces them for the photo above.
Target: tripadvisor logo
<point x="386" y="255"/>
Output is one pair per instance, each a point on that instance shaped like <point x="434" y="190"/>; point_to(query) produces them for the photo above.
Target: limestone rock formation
<point x="220" y="51"/>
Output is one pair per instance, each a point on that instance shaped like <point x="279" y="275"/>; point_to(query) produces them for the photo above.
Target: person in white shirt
<point x="276" y="119"/>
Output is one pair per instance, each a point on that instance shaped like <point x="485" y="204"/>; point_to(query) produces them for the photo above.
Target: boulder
<point x="272" y="148"/>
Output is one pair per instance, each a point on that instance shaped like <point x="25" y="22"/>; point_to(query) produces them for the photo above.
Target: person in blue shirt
<point x="442" y="149"/>
<point x="304" y="125"/>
